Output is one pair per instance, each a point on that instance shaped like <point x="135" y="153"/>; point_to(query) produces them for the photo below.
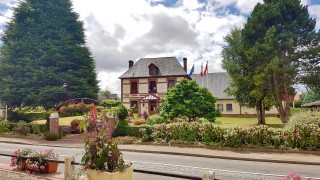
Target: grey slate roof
<point x="168" y="66"/>
<point x="217" y="83"/>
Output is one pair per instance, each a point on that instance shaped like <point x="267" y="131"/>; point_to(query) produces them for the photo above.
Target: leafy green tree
<point x="44" y="58"/>
<point x="310" y="96"/>
<point x="275" y="37"/>
<point x="103" y="94"/>
<point x="247" y="87"/>
<point x="188" y="99"/>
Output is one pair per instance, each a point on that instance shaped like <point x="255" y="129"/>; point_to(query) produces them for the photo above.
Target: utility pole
<point x="6" y="113"/>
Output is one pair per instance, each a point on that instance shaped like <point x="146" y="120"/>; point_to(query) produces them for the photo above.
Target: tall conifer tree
<point x="44" y="58"/>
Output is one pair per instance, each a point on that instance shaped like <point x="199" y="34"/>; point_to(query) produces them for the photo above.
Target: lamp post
<point x="65" y="86"/>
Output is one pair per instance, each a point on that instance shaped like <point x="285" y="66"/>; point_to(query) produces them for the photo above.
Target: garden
<point x="302" y="131"/>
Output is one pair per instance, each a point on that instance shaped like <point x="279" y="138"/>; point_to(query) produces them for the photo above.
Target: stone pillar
<point x="54" y="123"/>
<point x="209" y="175"/>
<point x="69" y="169"/>
<point x="111" y="126"/>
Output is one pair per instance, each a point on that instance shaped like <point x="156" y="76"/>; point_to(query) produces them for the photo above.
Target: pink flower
<point x="42" y="167"/>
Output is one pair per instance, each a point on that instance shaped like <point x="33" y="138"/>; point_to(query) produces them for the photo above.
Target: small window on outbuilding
<point x="153" y="70"/>
<point x="220" y="107"/>
<point x="229" y="107"/>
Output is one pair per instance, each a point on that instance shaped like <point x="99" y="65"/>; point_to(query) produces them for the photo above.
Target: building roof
<point x="168" y="66"/>
<point x="150" y="97"/>
<point x="218" y="83"/>
<point x="312" y="104"/>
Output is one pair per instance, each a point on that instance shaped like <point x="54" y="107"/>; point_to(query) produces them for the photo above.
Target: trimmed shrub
<point x="302" y="136"/>
<point x="121" y="128"/>
<point x="143" y="134"/>
<point x="156" y="119"/>
<point x="75" y="125"/>
<point x="49" y="136"/>
<point x="122" y="112"/>
<point x="134" y="130"/>
<point x="27" y="114"/>
<point x="4" y="127"/>
<point x="22" y="128"/>
<point x="305" y="117"/>
<point x="110" y="103"/>
<point x="74" y="109"/>
<point x="139" y="121"/>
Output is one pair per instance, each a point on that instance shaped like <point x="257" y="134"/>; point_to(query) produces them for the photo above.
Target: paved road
<point x="225" y="169"/>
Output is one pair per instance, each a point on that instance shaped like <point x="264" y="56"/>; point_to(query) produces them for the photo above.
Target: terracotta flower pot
<point x="51" y="167"/>
<point x="93" y="174"/>
<point x="24" y="165"/>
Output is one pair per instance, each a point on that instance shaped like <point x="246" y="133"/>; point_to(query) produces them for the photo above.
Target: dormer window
<point x="153" y="70"/>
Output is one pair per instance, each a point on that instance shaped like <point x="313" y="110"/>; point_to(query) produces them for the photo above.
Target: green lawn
<point x="272" y="122"/>
<point x="65" y="121"/>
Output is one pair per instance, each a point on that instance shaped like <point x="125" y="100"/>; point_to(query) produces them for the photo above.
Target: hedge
<point x="302" y="136"/>
<point x="134" y="130"/>
<point x="21" y="128"/>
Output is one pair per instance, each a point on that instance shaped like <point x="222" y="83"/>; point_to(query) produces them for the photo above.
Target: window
<point x="229" y="107"/>
<point x="153" y="70"/>
<point x="171" y="83"/>
<point x="220" y="107"/>
<point x="134" y="87"/>
<point x="152" y="87"/>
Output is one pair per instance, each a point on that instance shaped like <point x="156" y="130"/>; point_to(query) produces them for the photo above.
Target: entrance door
<point x="134" y="106"/>
<point x="153" y="107"/>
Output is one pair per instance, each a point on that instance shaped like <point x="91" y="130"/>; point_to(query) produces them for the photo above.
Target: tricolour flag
<point x="205" y="70"/>
<point x="191" y="71"/>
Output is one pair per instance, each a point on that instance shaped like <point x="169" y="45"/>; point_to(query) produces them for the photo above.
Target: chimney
<point x="185" y="64"/>
<point x="130" y="63"/>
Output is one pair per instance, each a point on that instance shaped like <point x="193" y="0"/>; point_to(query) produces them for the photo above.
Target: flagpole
<point x="202" y="74"/>
<point x="207" y="73"/>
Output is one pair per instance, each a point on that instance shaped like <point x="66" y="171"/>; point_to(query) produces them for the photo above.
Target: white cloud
<point x="314" y="11"/>
<point x="120" y="30"/>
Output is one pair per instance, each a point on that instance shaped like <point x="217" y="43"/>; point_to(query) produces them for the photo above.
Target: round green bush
<point x="122" y="112"/>
<point x="121" y="128"/>
<point x="49" y="136"/>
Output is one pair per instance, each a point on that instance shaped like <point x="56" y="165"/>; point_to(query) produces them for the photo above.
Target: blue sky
<point x="122" y="30"/>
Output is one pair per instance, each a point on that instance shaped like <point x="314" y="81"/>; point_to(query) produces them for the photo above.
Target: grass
<point x="272" y="122"/>
<point x="65" y="121"/>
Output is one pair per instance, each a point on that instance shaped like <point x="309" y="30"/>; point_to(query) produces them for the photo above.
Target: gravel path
<point x="5" y="175"/>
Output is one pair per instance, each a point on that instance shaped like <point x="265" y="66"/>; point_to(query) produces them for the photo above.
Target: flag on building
<point x="191" y="71"/>
<point x="201" y="73"/>
<point x="205" y="70"/>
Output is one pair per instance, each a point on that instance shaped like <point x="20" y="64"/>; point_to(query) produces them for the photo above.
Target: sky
<point x="121" y="30"/>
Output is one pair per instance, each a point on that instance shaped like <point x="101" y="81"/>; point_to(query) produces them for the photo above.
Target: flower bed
<point x="302" y="136"/>
<point x="35" y="163"/>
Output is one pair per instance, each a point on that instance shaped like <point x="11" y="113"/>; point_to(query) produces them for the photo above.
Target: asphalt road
<point x="224" y="169"/>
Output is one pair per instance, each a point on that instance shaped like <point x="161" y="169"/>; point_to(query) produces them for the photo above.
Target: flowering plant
<point x="16" y="161"/>
<point x="294" y="176"/>
<point x="35" y="162"/>
<point x="101" y="153"/>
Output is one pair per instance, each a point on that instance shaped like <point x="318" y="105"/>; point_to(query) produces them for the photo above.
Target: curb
<point x="185" y="154"/>
<point x="226" y="157"/>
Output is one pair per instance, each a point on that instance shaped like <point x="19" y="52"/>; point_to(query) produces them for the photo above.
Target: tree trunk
<point x="261" y="113"/>
<point x="282" y="100"/>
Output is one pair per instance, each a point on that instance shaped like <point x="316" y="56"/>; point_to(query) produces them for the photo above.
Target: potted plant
<point x="102" y="158"/>
<point x="21" y="164"/>
<point x="35" y="161"/>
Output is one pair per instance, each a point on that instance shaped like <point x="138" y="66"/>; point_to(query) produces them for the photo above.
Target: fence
<point x="69" y="170"/>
